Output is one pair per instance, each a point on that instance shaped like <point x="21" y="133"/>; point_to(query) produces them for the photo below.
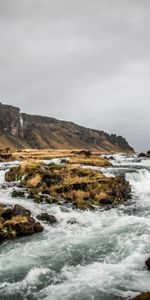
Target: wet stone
<point x="20" y="210"/>
<point x="47" y="218"/>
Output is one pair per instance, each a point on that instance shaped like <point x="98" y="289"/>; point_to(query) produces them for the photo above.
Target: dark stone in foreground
<point x="17" y="222"/>
<point x="7" y="213"/>
<point x="47" y="218"/>
<point x="19" y="210"/>
<point x="147" y="263"/>
<point x="28" y="228"/>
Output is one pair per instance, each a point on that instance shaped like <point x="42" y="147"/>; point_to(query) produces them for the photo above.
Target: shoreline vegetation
<point x="7" y="154"/>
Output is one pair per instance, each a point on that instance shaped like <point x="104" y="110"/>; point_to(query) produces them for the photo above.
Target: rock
<point x="2" y="237"/>
<point x="45" y="192"/>
<point x="7" y="214"/>
<point x="148" y="153"/>
<point x="28" y="228"/>
<point x="49" y="179"/>
<point x="24" y="229"/>
<point x="147" y="263"/>
<point x="111" y="157"/>
<point x="47" y="218"/>
<point x="106" y="201"/>
<point x="143" y="296"/>
<point x="79" y="186"/>
<point x="17" y="222"/>
<point x="17" y="193"/>
<point x="63" y="161"/>
<point x="86" y="153"/>
<point x="72" y="221"/>
<point x="13" y="174"/>
<point x="38" y="227"/>
<point x="142" y="154"/>
<point x="20" y="210"/>
<point x="45" y="198"/>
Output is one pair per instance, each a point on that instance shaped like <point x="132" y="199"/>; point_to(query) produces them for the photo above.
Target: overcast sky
<point x="86" y="61"/>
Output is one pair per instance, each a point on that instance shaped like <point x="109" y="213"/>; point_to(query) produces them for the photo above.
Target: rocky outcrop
<point x="20" y="130"/>
<point x="144" y="155"/>
<point x="17" y="222"/>
<point x="45" y="217"/>
<point x="82" y="188"/>
<point x="10" y="120"/>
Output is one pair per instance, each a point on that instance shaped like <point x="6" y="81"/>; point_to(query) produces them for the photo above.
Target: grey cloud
<point x="85" y="61"/>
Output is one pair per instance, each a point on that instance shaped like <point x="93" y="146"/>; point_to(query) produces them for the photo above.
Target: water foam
<point x="140" y="182"/>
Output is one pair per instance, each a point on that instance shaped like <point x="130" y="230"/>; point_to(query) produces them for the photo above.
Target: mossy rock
<point x="13" y="175"/>
<point x="81" y="187"/>
<point x="17" y="223"/>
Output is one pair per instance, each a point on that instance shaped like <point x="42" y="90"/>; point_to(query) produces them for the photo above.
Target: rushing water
<point x="99" y="258"/>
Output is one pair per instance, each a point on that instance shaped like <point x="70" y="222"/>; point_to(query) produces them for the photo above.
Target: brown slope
<point x="29" y="131"/>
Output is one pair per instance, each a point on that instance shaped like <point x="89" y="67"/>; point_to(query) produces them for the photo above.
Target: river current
<point x="99" y="258"/>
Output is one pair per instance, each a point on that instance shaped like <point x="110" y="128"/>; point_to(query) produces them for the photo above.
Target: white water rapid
<point x="99" y="258"/>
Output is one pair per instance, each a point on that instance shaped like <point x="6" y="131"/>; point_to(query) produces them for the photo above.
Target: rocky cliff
<point x="19" y="130"/>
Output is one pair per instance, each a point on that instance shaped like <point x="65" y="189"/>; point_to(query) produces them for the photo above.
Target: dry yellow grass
<point x="71" y="182"/>
<point x="28" y="165"/>
<point x="100" y="196"/>
<point x="80" y="195"/>
<point x="34" y="181"/>
<point x="47" y="153"/>
<point x="16" y="220"/>
<point x="91" y="161"/>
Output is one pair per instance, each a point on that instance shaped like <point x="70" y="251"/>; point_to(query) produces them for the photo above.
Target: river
<point x="99" y="258"/>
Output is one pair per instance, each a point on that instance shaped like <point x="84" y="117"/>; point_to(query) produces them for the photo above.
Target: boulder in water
<point x="20" y="210"/>
<point x="47" y="218"/>
<point x="7" y="214"/>
<point x="142" y="154"/>
<point x="72" y="221"/>
<point x="28" y="228"/>
<point x="148" y="153"/>
<point x="18" y="193"/>
<point x="63" y="161"/>
<point x="17" y="222"/>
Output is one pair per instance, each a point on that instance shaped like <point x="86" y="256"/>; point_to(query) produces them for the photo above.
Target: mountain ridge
<point x="21" y="130"/>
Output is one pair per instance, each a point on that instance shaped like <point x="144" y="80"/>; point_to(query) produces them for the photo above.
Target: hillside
<point x="20" y="130"/>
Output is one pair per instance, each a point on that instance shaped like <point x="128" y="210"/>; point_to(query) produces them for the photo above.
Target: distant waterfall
<point x="21" y="125"/>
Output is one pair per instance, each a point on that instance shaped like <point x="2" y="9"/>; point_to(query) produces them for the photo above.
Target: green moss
<point x="7" y="232"/>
